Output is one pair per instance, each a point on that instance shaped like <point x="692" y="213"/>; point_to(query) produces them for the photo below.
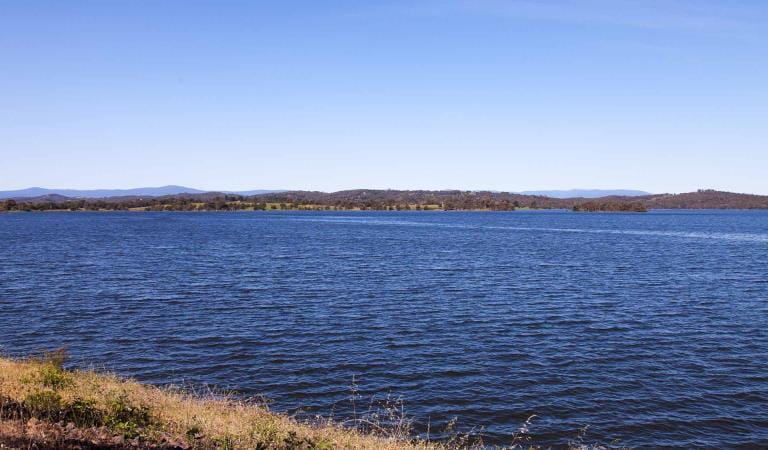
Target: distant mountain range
<point x="588" y="193"/>
<point x="378" y="199"/>
<point x="175" y="190"/>
<point x="105" y="193"/>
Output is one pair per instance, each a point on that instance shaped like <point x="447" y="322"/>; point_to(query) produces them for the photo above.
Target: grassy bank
<point x="44" y="406"/>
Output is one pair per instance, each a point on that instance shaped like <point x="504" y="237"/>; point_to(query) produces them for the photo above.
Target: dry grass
<point x="44" y="406"/>
<point x="103" y="408"/>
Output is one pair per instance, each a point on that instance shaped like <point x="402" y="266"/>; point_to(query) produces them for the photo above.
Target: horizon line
<point x="268" y="190"/>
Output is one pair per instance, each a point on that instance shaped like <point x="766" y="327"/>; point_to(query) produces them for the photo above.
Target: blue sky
<point x="660" y="95"/>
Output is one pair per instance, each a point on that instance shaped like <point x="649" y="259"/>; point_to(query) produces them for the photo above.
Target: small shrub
<point x="11" y="409"/>
<point x="226" y="442"/>
<point x="294" y="442"/>
<point x="125" y="418"/>
<point x="265" y="431"/>
<point x="50" y="372"/>
<point x="194" y="432"/>
<point x="56" y="358"/>
<point x="83" y="413"/>
<point x="45" y="404"/>
<point x="52" y="376"/>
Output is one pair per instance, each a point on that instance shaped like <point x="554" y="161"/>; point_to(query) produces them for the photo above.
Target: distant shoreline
<point x="389" y="200"/>
<point x="521" y="210"/>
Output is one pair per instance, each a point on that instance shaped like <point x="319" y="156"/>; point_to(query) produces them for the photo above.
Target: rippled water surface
<point x="649" y="328"/>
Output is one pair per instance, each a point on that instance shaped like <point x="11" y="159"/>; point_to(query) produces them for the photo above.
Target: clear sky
<point x="660" y="95"/>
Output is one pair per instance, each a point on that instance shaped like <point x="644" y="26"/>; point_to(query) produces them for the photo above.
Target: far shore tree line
<point x="231" y="203"/>
<point x="598" y="206"/>
<point x="387" y="200"/>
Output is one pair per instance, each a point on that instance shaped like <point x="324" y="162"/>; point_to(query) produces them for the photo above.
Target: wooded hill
<point x="371" y="199"/>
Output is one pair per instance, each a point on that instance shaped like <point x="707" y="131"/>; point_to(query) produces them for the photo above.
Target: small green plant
<point x="52" y="376"/>
<point x="83" y="413"/>
<point x="194" y="432"/>
<point x="266" y="432"/>
<point x="50" y="372"/>
<point x="294" y="442"/>
<point x="125" y="418"/>
<point x="44" y="404"/>
<point x="226" y="442"/>
<point x="56" y="358"/>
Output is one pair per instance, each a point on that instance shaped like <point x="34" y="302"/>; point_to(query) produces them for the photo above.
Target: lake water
<point x="650" y="328"/>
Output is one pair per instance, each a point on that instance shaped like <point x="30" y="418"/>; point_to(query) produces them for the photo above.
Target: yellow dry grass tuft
<point x="36" y="391"/>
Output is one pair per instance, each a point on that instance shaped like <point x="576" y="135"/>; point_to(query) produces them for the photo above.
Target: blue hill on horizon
<point x="174" y="189"/>
<point x="103" y="193"/>
<point x="588" y="193"/>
